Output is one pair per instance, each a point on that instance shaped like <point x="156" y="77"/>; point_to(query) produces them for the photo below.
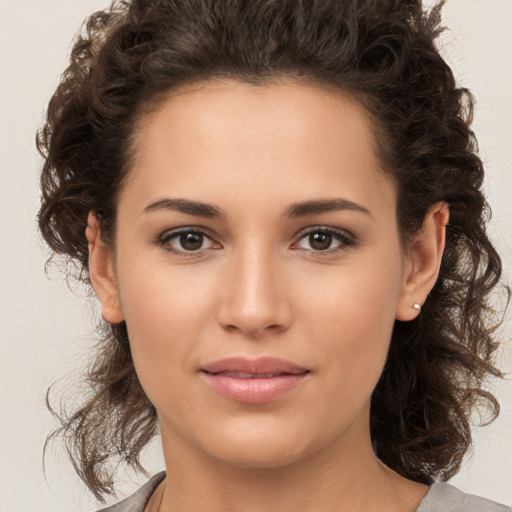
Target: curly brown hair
<point x="383" y="53"/>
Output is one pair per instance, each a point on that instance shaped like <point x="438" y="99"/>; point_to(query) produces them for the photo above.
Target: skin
<point x="258" y="287"/>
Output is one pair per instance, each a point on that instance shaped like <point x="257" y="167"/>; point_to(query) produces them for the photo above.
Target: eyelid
<point x="346" y="238"/>
<point x="163" y="240"/>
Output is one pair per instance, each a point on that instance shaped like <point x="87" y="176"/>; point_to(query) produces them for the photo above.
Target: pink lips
<point x="253" y="380"/>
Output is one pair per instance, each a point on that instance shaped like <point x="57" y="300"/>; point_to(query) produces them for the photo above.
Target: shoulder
<point x="137" y="501"/>
<point x="447" y="498"/>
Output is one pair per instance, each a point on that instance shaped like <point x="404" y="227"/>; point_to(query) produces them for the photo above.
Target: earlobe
<point x="424" y="262"/>
<point x="101" y="271"/>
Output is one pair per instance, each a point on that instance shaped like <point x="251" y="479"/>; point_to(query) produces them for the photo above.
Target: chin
<point x="256" y="456"/>
<point x="266" y="447"/>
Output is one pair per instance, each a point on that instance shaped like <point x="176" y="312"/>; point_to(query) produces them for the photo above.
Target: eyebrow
<point x="200" y="209"/>
<point x="323" y="206"/>
<point x="185" y="206"/>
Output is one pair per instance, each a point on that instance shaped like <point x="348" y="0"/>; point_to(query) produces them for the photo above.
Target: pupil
<point x="191" y="241"/>
<point x="320" y="241"/>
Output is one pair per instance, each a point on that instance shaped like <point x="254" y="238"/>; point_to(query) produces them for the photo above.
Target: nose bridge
<point x="254" y="300"/>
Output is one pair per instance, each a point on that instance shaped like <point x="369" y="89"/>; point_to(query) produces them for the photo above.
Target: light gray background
<point x="45" y="329"/>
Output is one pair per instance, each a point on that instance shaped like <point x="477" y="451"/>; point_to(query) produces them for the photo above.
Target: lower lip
<point x="253" y="391"/>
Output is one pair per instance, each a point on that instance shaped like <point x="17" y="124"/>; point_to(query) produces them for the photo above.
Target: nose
<point x="255" y="300"/>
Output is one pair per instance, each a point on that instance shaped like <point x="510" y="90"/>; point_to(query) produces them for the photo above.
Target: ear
<point x="424" y="257"/>
<point x="101" y="271"/>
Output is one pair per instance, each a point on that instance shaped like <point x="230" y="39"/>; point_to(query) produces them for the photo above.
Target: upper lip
<point x="262" y="365"/>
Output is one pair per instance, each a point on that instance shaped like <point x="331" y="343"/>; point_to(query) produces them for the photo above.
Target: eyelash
<point x="345" y="238"/>
<point x="164" y="240"/>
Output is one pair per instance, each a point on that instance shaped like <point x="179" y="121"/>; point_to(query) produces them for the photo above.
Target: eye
<point x="324" y="240"/>
<point x="187" y="241"/>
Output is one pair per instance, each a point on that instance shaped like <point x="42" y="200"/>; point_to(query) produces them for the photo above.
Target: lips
<point x="243" y="375"/>
<point x="253" y="380"/>
<point x="263" y="365"/>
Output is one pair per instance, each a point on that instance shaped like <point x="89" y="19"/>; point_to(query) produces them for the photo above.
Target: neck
<point x="342" y="476"/>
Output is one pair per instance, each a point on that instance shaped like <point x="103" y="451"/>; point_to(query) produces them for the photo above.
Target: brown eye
<point x="191" y="241"/>
<point x="325" y="240"/>
<point x="320" y="241"/>
<point x="186" y="241"/>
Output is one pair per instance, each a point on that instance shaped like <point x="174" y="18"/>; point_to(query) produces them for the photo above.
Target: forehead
<point x="283" y="110"/>
<point x="280" y="140"/>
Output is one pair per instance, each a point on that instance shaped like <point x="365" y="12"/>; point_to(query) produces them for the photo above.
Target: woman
<point x="279" y="207"/>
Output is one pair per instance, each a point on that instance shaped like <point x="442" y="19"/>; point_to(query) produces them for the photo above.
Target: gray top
<point x="441" y="497"/>
<point x="137" y="502"/>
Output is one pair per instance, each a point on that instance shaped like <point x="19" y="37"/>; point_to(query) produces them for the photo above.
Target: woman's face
<point x="257" y="223"/>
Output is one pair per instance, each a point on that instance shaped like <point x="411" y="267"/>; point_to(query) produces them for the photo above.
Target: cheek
<point x="165" y="312"/>
<point x="351" y="316"/>
<point x="160" y="297"/>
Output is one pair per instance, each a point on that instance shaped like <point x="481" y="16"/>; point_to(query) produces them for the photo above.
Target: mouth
<point x="253" y="381"/>
<point x="243" y="375"/>
<point x="254" y="367"/>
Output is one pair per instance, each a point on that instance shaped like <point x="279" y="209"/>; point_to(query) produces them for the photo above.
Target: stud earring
<point x="416" y="306"/>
